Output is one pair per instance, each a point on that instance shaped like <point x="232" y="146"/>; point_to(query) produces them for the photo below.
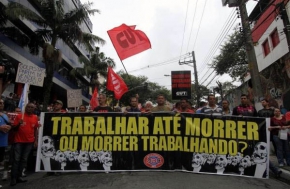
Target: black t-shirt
<point x="263" y="131"/>
<point x="133" y="110"/>
<point x="103" y="109"/>
<point x="266" y="113"/>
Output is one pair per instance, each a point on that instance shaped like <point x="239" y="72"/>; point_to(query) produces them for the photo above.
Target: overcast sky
<point x="175" y="28"/>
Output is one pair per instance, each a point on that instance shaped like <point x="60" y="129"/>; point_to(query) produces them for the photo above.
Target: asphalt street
<point x="148" y="180"/>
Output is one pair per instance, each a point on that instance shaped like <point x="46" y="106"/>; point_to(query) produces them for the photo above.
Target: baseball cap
<point x="58" y="102"/>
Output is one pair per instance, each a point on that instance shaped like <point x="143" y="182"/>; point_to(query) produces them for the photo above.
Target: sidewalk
<point x="285" y="176"/>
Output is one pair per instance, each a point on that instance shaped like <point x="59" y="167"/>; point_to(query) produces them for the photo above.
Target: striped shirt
<point x="211" y="110"/>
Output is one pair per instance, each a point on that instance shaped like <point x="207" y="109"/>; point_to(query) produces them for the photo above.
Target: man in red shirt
<point x="184" y="106"/>
<point x="24" y="140"/>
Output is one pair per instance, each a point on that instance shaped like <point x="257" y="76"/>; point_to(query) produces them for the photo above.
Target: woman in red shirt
<point x="278" y="122"/>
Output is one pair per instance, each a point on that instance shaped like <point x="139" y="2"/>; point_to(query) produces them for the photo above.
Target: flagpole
<point x="27" y="91"/>
<point x="127" y="73"/>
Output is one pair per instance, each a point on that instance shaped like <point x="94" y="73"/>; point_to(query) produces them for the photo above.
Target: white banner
<point x="74" y="98"/>
<point x="32" y="75"/>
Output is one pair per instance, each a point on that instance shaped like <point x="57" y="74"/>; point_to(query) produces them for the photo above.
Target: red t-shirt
<point x="277" y="122"/>
<point x="287" y="116"/>
<point x="26" y="131"/>
<point x="189" y="111"/>
<point x="186" y="111"/>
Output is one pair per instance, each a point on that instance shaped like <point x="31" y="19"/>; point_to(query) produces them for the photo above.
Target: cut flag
<point x="24" y="97"/>
<point x="94" y="101"/>
<point x="115" y="83"/>
<point x="128" y="41"/>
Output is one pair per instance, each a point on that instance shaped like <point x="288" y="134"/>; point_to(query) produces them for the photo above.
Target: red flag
<point x="115" y="83"/>
<point x="128" y="41"/>
<point x="94" y="101"/>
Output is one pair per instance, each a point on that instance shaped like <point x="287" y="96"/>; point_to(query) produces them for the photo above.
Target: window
<point x="275" y="38"/>
<point x="266" y="47"/>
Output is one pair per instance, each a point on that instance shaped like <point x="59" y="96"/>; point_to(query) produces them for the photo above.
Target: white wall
<point x="275" y="53"/>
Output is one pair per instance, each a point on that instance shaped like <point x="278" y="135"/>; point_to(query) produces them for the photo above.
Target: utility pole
<point x="251" y="55"/>
<point x="195" y="76"/>
<point x="286" y="22"/>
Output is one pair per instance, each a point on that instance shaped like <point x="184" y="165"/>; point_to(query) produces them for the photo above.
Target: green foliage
<point x="232" y="58"/>
<point x="95" y="66"/>
<point x="11" y="32"/>
<point x="224" y="88"/>
<point x="145" y="89"/>
<point x="55" y="24"/>
<point x="203" y="92"/>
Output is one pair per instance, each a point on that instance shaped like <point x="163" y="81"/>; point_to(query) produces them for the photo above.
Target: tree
<point x="54" y="24"/>
<point x="15" y="35"/>
<point x="224" y="88"/>
<point x="232" y="58"/>
<point x="143" y="87"/>
<point x="95" y="66"/>
<point x="203" y="92"/>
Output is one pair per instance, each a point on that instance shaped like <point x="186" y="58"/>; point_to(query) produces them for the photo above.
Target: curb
<point x="285" y="176"/>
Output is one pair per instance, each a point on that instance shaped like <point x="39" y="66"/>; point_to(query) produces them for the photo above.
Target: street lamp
<point x="166" y="75"/>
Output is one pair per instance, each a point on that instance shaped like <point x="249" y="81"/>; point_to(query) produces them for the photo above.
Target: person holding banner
<point x="244" y="109"/>
<point x="82" y="108"/>
<point x="161" y="107"/>
<point x="226" y="108"/>
<point x="134" y="105"/>
<point x="102" y="104"/>
<point x="212" y="107"/>
<point x="266" y="111"/>
<point x="184" y="106"/>
<point x="27" y="125"/>
<point x="147" y="107"/>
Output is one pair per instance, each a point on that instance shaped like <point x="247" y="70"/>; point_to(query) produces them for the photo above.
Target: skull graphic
<point x="211" y="158"/>
<point x="260" y="153"/>
<point x="236" y="159"/>
<point x="71" y="156"/>
<point x="47" y="147"/>
<point x="245" y="162"/>
<point x="93" y="156"/>
<point x="197" y="160"/>
<point x="83" y="158"/>
<point x="106" y="158"/>
<point x="61" y="158"/>
<point x="221" y="162"/>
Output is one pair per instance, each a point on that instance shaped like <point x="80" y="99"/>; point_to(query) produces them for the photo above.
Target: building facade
<point x="62" y="80"/>
<point x="269" y="20"/>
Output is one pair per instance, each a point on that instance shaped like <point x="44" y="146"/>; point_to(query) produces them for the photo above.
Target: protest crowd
<point x="19" y="127"/>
